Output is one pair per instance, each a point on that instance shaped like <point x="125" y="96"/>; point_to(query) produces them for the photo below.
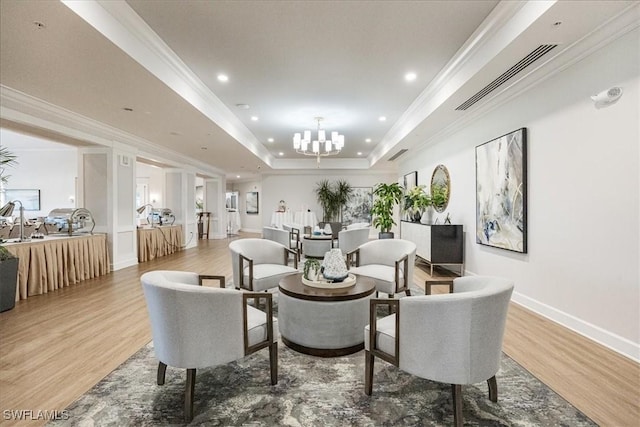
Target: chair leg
<point x="368" y="372"/>
<point x="188" y="395"/>
<point x="456" y="390"/>
<point x="273" y="362"/>
<point x="493" y="389"/>
<point x="162" y="369"/>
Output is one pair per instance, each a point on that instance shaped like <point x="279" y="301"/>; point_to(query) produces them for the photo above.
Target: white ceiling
<point x="289" y="60"/>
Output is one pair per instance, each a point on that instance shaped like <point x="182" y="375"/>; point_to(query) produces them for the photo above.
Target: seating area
<point x="326" y="324"/>
<point x="227" y="149"/>
<point x="196" y="326"/>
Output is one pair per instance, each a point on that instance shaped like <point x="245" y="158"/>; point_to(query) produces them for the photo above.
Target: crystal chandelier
<point x="321" y="147"/>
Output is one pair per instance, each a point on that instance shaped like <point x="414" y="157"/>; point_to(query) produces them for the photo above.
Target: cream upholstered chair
<point x="289" y="238"/>
<point x="462" y="343"/>
<point x="259" y="264"/>
<point x="389" y="261"/>
<point x="350" y="239"/>
<point x="195" y="326"/>
<point x="358" y="225"/>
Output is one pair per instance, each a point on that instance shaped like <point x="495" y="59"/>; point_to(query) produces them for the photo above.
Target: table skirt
<point x="58" y="262"/>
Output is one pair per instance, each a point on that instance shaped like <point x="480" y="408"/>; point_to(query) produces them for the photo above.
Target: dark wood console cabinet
<point x="436" y="244"/>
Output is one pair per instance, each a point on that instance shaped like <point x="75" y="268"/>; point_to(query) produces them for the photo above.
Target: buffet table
<point x="158" y="241"/>
<point x="58" y="261"/>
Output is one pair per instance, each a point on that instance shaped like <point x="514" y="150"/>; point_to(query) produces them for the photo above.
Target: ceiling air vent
<point x="398" y="154"/>
<point x="536" y="54"/>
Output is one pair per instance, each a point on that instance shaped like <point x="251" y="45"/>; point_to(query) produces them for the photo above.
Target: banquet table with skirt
<point x="158" y="241"/>
<point x="58" y="261"/>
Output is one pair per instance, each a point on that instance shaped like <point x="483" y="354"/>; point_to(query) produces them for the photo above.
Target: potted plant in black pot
<point x="416" y="201"/>
<point x="8" y="279"/>
<point x="387" y="196"/>
<point x="333" y="197"/>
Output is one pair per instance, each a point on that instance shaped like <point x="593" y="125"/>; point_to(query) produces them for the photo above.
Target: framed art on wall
<point x="410" y="180"/>
<point x="30" y="199"/>
<point x="252" y="202"/>
<point x="501" y="192"/>
<point x="358" y="208"/>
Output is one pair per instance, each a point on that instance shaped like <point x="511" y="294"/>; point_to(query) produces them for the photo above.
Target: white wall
<point x="298" y="191"/>
<point x="52" y="170"/>
<point x="583" y="267"/>
<point x="156" y="180"/>
<point x="250" y="222"/>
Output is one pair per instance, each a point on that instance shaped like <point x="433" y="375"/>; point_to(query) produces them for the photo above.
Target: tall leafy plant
<point x="387" y="196"/>
<point x="332" y="197"/>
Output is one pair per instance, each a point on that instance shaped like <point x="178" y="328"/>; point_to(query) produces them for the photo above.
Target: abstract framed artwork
<point x="30" y="199"/>
<point x="410" y="180"/>
<point x="252" y="202"/>
<point x="501" y="192"/>
<point x="358" y="208"/>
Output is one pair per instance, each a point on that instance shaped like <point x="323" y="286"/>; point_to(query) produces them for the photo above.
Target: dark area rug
<point x="312" y="391"/>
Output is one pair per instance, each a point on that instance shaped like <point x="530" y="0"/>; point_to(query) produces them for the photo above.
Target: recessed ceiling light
<point x="128" y="109"/>
<point x="243" y="106"/>
<point x="270" y="139"/>
<point x="237" y="176"/>
<point x="223" y="78"/>
<point x="359" y="153"/>
<point x="382" y="118"/>
<point x="410" y="77"/>
<point x="254" y="118"/>
<point x="367" y="140"/>
<point x="281" y="154"/>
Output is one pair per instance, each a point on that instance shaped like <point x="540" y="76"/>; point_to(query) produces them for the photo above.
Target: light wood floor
<point x="55" y="347"/>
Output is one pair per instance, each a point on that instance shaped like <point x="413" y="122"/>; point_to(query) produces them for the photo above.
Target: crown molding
<point x="24" y="109"/>
<point x="626" y="21"/>
<point x="119" y="23"/>
<point x="505" y="23"/>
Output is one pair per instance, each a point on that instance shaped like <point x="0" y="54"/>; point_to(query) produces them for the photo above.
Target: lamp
<point x="7" y="210"/>
<point x="331" y="146"/>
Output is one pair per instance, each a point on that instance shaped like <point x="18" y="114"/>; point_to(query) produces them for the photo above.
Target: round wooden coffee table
<point x="324" y="322"/>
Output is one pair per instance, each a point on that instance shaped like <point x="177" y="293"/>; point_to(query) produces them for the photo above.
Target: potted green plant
<point x="332" y="197"/>
<point x="387" y="196"/>
<point x="311" y="269"/>
<point x="415" y="202"/>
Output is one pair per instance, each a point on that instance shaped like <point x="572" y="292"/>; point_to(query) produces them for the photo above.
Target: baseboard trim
<point x="124" y="264"/>
<point x="601" y="336"/>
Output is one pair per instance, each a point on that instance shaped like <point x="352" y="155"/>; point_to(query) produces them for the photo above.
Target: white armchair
<point x="259" y="264"/>
<point x="195" y="326"/>
<point x="389" y="262"/>
<point x="286" y="236"/>
<point x="350" y="239"/>
<point x="462" y="343"/>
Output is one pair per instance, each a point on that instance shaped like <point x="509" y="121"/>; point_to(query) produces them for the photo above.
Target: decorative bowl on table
<point x="323" y="283"/>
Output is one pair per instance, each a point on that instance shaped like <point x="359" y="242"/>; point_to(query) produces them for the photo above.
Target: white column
<point x="106" y="187"/>
<point x="214" y="202"/>
<point x="180" y="197"/>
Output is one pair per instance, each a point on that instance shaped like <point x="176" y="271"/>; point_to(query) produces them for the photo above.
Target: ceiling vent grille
<point x="536" y="54"/>
<point x="398" y="154"/>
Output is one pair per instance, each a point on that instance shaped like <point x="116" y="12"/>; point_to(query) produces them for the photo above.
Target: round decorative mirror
<point x="440" y="188"/>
